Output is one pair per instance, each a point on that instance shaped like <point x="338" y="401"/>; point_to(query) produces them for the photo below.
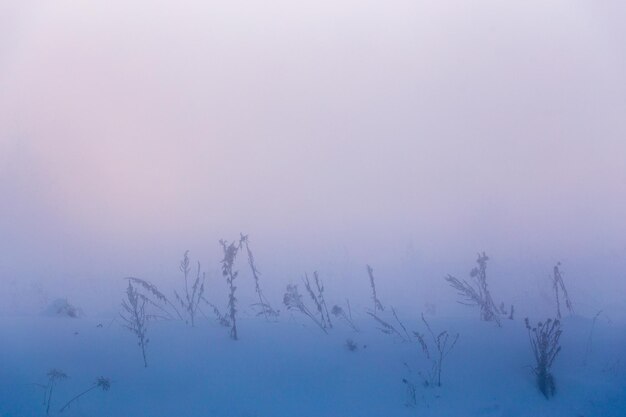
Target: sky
<point x="405" y="134"/>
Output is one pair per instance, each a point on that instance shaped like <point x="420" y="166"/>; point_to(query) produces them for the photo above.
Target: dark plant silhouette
<point x="135" y="317"/>
<point x="190" y="300"/>
<point x="480" y="294"/>
<point x="340" y="313"/>
<point x="230" y="254"/>
<point x="220" y="317"/>
<point x="293" y="301"/>
<point x="264" y="305"/>
<point x="54" y="375"/>
<point x="559" y="285"/>
<point x="103" y="383"/>
<point x="155" y="298"/>
<point x="390" y="329"/>
<point x="544" y="341"/>
<point x="443" y="343"/>
<point x="318" y="299"/>
<point x="377" y="304"/>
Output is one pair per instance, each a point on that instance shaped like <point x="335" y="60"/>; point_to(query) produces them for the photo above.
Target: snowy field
<point x="291" y="368"/>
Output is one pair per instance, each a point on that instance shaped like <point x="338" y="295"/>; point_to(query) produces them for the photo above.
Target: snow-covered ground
<point x="292" y="368"/>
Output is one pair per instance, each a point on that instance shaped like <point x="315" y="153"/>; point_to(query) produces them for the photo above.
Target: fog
<point x="408" y="135"/>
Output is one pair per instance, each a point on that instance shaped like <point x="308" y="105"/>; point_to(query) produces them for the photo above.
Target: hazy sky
<point x="409" y="134"/>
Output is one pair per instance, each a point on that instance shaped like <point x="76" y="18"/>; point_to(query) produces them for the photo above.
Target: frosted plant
<point x="318" y="299"/>
<point x="377" y="304"/>
<point x="559" y="285"/>
<point x="135" y="317"/>
<point x="155" y="298"/>
<point x="54" y="375"/>
<point x="544" y="342"/>
<point x="384" y="325"/>
<point x="228" y="261"/>
<point x="266" y="309"/>
<point x="190" y="300"/>
<point x="221" y="318"/>
<point x="340" y="313"/>
<point x="393" y="311"/>
<point x="389" y="328"/>
<point x="103" y="383"/>
<point x="293" y="301"/>
<point x="480" y="294"/>
<point x="442" y="343"/>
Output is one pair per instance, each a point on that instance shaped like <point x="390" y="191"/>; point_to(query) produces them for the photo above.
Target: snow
<point x="291" y="368"/>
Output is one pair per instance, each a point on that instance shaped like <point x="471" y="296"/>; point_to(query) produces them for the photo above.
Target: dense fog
<point x="407" y="135"/>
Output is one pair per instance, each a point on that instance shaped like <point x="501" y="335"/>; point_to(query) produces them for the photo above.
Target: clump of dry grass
<point x="544" y="342"/>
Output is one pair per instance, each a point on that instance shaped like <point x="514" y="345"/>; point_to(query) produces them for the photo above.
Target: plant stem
<point x="77" y="397"/>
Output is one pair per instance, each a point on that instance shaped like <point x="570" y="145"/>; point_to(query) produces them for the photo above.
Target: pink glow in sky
<point x="130" y="131"/>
